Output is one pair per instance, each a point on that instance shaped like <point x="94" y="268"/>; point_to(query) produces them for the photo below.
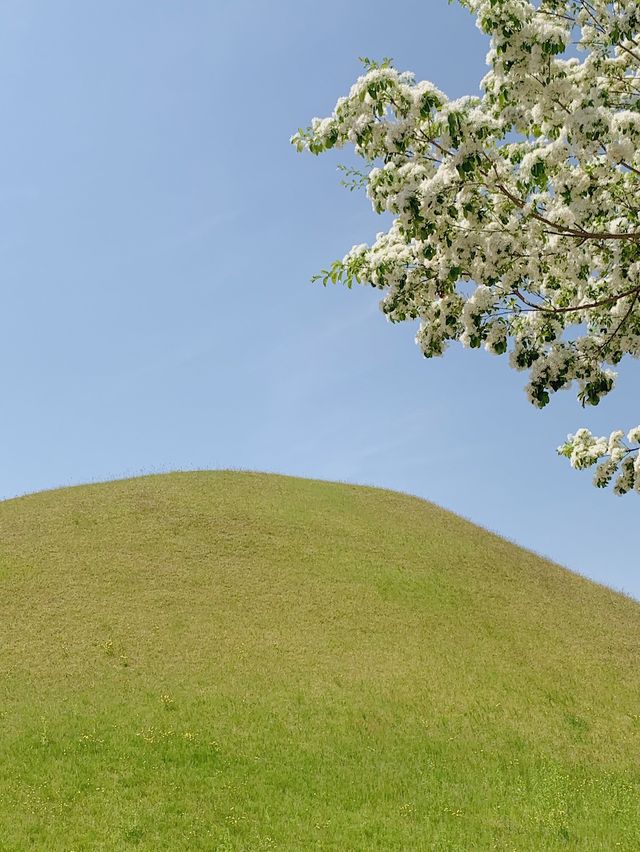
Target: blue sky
<point x="157" y="237"/>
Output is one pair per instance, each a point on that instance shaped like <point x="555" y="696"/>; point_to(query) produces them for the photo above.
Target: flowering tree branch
<point x="611" y="457"/>
<point x="515" y="223"/>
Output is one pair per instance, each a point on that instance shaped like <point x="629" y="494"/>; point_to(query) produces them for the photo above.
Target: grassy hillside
<point x="227" y="661"/>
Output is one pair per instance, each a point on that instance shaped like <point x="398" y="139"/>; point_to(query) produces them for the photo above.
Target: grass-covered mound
<point x="239" y="661"/>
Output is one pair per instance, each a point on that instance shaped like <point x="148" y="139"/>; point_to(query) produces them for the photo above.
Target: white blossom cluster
<point x="611" y="456"/>
<point x="516" y="214"/>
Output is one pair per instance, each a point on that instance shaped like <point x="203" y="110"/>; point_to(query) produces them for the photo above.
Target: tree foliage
<point x="516" y="214"/>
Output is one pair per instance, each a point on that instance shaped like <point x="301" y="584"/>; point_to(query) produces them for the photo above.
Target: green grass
<point x="227" y="661"/>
